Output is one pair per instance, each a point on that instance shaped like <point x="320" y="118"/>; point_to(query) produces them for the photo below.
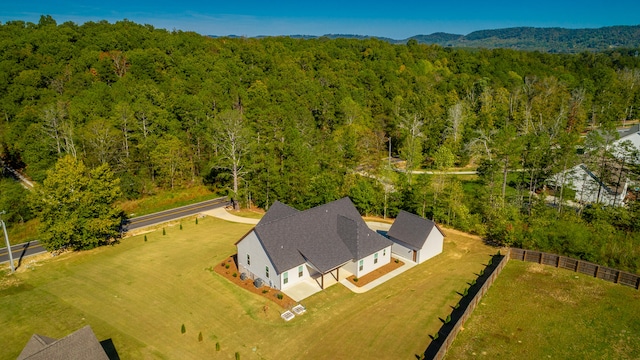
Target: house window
<point x="285" y="277"/>
<point x="300" y="272"/>
<point x="248" y="260"/>
<point x="266" y="271"/>
<point x="361" y="265"/>
<point x="384" y="252"/>
<point x="375" y="258"/>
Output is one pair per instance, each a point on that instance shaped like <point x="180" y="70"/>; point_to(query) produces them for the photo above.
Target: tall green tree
<point x="75" y="206"/>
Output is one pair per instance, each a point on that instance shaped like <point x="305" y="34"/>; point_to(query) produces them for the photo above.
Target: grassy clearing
<point x="140" y="293"/>
<point x="166" y="199"/>
<point x="248" y="213"/>
<point x="19" y="233"/>
<point x="537" y="312"/>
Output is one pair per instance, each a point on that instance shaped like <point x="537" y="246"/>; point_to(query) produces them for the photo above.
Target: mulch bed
<point x="228" y="267"/>
<point x="376" y="274"/>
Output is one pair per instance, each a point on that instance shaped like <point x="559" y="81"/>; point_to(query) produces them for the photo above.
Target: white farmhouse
<point x="288" y="247"/>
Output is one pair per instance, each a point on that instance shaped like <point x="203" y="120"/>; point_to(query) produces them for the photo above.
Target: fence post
<point x="618" y="277"/>
<point x="540" y="259"/>
<point x="578" y="265"/>
<point x="597" y="270"/>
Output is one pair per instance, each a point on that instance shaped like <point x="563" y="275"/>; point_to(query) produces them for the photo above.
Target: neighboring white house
<point x="589" y="188"/>
<point x="289" y="246"/>
<point x="627" y="147"/>
<point x="415" y="238"/>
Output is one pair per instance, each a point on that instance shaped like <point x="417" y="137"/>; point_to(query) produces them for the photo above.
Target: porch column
<point x="322" y="282"/>
<point x="338" y="273"/>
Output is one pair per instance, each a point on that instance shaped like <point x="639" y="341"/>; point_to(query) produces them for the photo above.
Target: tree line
<point x="306" y="121"/>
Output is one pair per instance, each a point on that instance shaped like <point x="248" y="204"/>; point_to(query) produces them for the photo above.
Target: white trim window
<point x="361" y="265"/>
<point x="266" y="271"/>
<point x="300" y="271"/>
<point x="248" y="260"/>
<point x="375" y="258"/>
<point x="285" y="277"/>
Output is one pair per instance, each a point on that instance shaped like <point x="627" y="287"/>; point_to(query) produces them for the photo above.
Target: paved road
<point x="19" y="177"/>
<point x="23" y="250"/>
<point x="173" y="214"/>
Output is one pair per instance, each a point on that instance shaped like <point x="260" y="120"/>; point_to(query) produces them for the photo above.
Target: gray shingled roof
<point x="411" y="229"/>
<point x="277" y="211"/>
<point x="81" y="344"/>
<point x="326" y="236"/>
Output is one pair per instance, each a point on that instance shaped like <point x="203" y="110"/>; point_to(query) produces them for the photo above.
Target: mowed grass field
<point x="534" y="311"/>
<point x="140" y="293"/>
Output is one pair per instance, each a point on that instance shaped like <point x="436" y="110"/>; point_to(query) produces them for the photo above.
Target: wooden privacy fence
<point x="447" y="333"/>
<point x="580" y="266"/>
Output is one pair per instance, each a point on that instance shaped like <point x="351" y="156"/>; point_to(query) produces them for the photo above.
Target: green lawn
<point x="538" y="312"/>
<point x="140" y="293"/>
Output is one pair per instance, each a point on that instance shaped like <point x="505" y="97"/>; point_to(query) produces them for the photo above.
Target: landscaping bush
<point x="164" y="232"/>
<point x="183" y="329"/>
<point x="280" y="296"/>
<point x="200" y="336"/>
<point x="217" y="346"/>
<point x="196" y="221"/>
<point x="264" y="291"/>
<point x="235" y="274"/>
<point x="226" y="266"/>
<point x="180" y="226"/>
<point x="145" y="238"/>
<point x="237" y="356"/>
<point x="447" y="319"/>
<point x="355" y="279"/>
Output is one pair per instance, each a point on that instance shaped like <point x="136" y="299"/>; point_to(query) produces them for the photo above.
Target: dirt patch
<point x="228" y="267"/>
<point x="536" y="268"/>
<point x="448" y="231"/>
<point x="376" y="274"/>
<point x="378" y="219"/>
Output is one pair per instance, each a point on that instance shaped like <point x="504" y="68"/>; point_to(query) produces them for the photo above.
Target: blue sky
<point x="394" y="19"/>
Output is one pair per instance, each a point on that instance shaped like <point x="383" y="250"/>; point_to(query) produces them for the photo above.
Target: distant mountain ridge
<point x="553" y="40"/>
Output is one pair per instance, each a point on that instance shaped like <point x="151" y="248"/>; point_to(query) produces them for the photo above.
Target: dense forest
<point x="306" y="121"/>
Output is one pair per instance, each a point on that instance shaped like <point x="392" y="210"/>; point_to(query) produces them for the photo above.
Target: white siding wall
<point x="432" y="247"/>
<point x="293" y="276"/>
<point x="259" y="261"/>
<point x="384" y="257"/>
<point x="402" y="251"/>
<point x="351" y="267"/>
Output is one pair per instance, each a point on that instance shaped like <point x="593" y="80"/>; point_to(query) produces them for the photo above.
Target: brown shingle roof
<point x="81" y="344"/>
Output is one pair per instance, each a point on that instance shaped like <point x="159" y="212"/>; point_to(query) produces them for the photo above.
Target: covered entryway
<point x="316" y="283"/>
